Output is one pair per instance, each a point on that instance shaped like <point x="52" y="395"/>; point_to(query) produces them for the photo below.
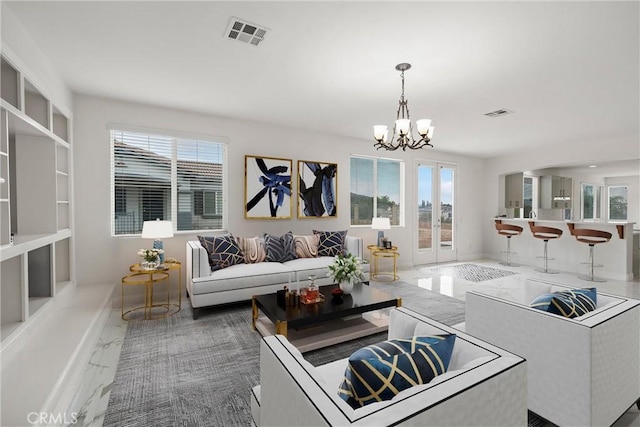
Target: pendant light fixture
<point x="402" y="136"/>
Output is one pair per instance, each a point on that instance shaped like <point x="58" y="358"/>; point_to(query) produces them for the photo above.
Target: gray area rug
<point x="470" y="272"/>
<point x="177" y="371"/>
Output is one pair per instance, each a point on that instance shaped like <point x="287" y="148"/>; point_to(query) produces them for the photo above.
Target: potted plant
<point x="346" y="270"/>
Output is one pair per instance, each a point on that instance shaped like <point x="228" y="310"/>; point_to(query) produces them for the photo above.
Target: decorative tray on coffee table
<point x="317" y="300"/>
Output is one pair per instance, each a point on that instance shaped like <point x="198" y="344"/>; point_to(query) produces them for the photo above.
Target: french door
<point x="436" y="213"/>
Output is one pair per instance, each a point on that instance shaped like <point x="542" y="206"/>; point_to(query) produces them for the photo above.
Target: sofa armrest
<point x="290" y="392"/>
<point x="197" y="261"/>
<point x="353" y="245"/>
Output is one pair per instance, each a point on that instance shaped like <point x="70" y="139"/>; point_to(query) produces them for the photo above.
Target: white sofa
<point x="240" y="282"/>
<point x="582" y="371"/>
<point x="484" y="386"/>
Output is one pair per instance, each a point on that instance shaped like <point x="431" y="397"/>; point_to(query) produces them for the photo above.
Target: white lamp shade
<point x="157" y="229"/>
<point x="423" y="126"/>
<point x="402" y="126"/>
<point x="430" y="132"/>
<point x="381" y="224"/>
<point x="380" y="132"/>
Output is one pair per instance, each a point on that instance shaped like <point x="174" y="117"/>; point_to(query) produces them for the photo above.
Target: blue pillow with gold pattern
<point x="379" y="372"/>
<point x="569" y="304"/>
<point x="223" y="251"/>
<point x="330" y="243"/>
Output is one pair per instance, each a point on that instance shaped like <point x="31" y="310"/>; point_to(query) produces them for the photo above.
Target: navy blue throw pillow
<point x="381" y="371"/>
<point x="331" y="243"/>
<point x="223" y="251"/>
<point x="570" y="304"/>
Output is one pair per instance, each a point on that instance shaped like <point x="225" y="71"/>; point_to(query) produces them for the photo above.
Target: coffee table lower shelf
<point x="329" y="333"/>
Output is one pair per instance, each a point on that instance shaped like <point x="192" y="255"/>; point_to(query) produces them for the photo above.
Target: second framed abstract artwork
<point x="267" y="191"/>
<point x="317" y="189"/>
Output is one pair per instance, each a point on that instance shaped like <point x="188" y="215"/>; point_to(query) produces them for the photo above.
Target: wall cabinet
<point x="556" y="192"/>
<point x="513" y="190"/>
<point x="35" y="203"/>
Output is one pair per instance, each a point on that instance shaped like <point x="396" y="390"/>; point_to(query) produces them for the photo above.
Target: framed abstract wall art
<point x="267" y="187"/>
<point x="317" y="189"/>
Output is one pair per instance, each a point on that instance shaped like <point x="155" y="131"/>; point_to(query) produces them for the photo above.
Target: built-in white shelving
<point x="35" y="200"/>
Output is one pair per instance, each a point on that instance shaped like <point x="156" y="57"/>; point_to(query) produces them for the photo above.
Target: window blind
<point x="168" y="178"/>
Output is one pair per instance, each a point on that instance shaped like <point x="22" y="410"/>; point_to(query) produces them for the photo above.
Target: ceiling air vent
<point x="245" y="32"/>
<point x="498" y="113"/>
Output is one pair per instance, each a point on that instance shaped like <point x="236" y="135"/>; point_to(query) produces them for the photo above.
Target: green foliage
<point x="346" y="268"/>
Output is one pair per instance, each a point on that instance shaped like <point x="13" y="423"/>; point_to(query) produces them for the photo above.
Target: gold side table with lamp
<point x="377" y="253"/>
<point x="149" y="278"/>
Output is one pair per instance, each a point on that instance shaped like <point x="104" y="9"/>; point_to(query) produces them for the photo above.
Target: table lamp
<point x="157" y="230"/>
<point x="380" y="224"/>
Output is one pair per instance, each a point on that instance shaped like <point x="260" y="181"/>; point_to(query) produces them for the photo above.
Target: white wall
<point x="101" y="257"/>
<point x="19" y="48"/>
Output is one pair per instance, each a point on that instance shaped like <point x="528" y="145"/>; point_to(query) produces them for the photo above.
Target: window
<point x="618" y="202"/>
<point x="205" y="203"/>
<point x="170" y="178"/>
<point x="376" y="186"/>
<point x="120" y="201"/>
<point x="591" y="201"/>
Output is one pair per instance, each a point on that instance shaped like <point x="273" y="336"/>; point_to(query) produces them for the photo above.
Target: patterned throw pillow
<point x="306" y="246"/>
<point x="381" y="371"/>
<point x="331" y="243"/>
<point x="570" y="304"/>
<point x="279" y="248"/>
<point x="223" y="251"/>
<point x="252" y="248"/>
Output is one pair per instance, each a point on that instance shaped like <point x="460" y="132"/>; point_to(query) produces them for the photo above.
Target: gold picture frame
<point x="267" y="187"/>
<point x="317" y="189"/>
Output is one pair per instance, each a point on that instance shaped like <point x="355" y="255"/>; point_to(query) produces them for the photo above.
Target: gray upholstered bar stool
<point x="545" y="234"/>
<point x="592" y="238"/>
<point x="508" y="230"/>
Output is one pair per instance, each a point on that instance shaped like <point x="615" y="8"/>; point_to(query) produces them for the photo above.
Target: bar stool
<point x="591" y="238"/>
<point x="545" y="234"/>
<point x="508" y="230"/>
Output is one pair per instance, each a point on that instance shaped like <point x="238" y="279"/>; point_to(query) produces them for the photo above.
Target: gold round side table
<point x="377" y="253"/>
<point x="149" y="278"/>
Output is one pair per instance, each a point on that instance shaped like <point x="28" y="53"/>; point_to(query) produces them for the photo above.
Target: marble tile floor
<point x="35" y="363"/>
<point x="92" y="398"/>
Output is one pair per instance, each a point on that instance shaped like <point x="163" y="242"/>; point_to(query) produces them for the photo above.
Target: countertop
<point x="549" y="221"/>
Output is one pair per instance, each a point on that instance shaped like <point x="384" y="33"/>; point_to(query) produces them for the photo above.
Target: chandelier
<point x="403" y="129"/>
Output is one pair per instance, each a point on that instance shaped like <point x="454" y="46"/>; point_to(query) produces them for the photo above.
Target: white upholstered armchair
<point x="485" y="385"/>
<point x="582" y="371"/>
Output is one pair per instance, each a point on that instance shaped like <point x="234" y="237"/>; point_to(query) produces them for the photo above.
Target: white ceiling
<point x="569" y="70"/>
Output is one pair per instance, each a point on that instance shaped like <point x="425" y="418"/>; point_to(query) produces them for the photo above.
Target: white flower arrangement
<point x="150" y="255"/>
<point x="346" y="268"/>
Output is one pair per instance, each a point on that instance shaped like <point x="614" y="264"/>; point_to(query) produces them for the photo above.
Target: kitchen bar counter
<point x="615" y="255"/>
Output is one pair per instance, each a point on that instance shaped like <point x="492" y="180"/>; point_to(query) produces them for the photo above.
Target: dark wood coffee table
<point x="312" y="326"/>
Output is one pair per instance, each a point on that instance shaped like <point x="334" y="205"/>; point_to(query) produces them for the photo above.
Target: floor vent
<point x="498" y="113"/>
<point x="245" y="32"/>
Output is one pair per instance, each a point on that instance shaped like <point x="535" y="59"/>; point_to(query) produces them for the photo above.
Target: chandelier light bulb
<point x="430" y="132"/>
<point x="380" y="133"/>
<point x="402" y="126"/>
<point x="423" y="126"/>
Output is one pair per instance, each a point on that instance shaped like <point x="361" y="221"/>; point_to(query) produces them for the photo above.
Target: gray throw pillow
<point x="280" y="248"/>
